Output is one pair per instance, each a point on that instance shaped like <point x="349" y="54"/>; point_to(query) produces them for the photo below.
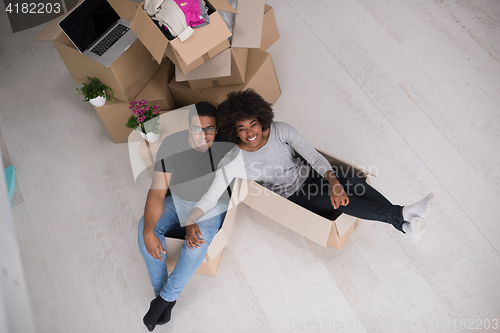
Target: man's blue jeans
<point x="169" y="287"/>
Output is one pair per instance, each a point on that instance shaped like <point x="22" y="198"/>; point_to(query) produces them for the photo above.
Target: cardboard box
<point x="260" y="76"/>
<point x="126" y="76"/>
<point x="237" y="74"/>
<point x="114" y="115"/>
<point x="205" y="43"/>
<point x="270" y="33"/>
<point x="156" y="90"/>
<point x="334" y="231"/>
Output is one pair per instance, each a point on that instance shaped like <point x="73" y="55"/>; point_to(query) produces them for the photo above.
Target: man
<point x="185" y="164"/>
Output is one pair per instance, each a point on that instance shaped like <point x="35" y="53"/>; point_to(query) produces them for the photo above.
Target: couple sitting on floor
<point x="198" y="164"/>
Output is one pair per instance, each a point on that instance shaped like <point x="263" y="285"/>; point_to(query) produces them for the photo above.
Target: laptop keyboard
<point x="108" y="41"/>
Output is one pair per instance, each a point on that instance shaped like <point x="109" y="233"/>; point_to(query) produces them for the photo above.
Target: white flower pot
<point x="151" y="137"/>
<point x="98" y="101"/>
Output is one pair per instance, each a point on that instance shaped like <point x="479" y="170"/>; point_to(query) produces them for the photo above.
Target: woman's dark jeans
<point x="365" y="202"/>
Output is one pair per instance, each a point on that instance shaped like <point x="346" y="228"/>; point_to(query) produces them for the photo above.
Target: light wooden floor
<point x="408" y="89"/>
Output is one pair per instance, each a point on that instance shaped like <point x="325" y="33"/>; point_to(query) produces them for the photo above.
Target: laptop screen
<point x="87" y="22"/>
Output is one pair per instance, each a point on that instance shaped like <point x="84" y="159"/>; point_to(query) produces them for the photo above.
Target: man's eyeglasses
<point x="198" y="130"/>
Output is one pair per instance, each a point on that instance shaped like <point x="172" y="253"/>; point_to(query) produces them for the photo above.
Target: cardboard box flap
<point x="50" y="31"/>
<point x="149" y="34"/>
<point x="222" y="237"/>
<point x="223" y="5"/>
<point x="124" y="8"/>
<point x="287" y="213"/>
<point x="173" y="248"/>
<point x="202" y="40"/>
<point x="343" y="223"/>
<point x="218" y="66"/>
<point x="241" y="60"/>
<point x="247" y="31"/>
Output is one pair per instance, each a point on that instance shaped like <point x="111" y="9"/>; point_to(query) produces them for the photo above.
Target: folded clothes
<point x="203" y="14"/>
<point x="151" y="7"/>
<point x="173" y="17"/>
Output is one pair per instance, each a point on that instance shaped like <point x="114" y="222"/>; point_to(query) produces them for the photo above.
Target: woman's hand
<point x="338" y="197"/>
<point x="194" y="236"/>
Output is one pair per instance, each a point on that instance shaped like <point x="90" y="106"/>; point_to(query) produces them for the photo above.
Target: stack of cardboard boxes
<point x="243" y="65"/>
<point x="204" y="60"/>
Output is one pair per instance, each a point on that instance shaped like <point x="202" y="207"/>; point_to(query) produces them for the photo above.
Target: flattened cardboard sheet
<point x="218" y="66"/>
<point x="247" y="31"/>
<point x="223" y="5"/>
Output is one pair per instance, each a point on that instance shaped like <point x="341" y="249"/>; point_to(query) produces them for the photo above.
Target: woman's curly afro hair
<point x="242" y="105"/>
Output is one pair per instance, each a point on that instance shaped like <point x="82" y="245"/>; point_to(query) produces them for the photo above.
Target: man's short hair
<point x="203" y="109"/>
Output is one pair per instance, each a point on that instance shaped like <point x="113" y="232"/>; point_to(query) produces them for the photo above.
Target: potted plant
<point x="95" y="92"/>
<point x="145" y="119"/>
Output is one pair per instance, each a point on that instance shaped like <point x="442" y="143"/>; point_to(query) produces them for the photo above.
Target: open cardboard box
<point x="334" y="231"/>
<point x="205" y="43"/>
<point x="126" y="76"/>
<point x="260" y="76"/>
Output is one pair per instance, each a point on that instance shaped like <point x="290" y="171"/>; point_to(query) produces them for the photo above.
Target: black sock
<point x="165" y="316"/>
<point x="156" y="309"/>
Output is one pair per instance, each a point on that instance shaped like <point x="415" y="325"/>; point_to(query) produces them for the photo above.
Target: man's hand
<point x="338" y="197"/>
<point x="194" y="236"/>
<point x="153" y="245"/>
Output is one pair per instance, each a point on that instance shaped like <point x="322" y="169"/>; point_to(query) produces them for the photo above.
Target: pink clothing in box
<point x="191" y="9"/>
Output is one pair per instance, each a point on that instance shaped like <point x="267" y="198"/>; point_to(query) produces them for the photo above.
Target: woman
<point x="265" y="153"/>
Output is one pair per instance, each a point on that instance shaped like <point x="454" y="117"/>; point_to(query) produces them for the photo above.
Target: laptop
<point x="97" y="31"/>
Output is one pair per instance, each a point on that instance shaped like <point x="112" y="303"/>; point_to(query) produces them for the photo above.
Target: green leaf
<point x="132" y="122"/>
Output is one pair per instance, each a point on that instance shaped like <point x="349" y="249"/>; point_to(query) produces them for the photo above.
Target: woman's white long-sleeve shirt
<point x="273" y="166"/>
